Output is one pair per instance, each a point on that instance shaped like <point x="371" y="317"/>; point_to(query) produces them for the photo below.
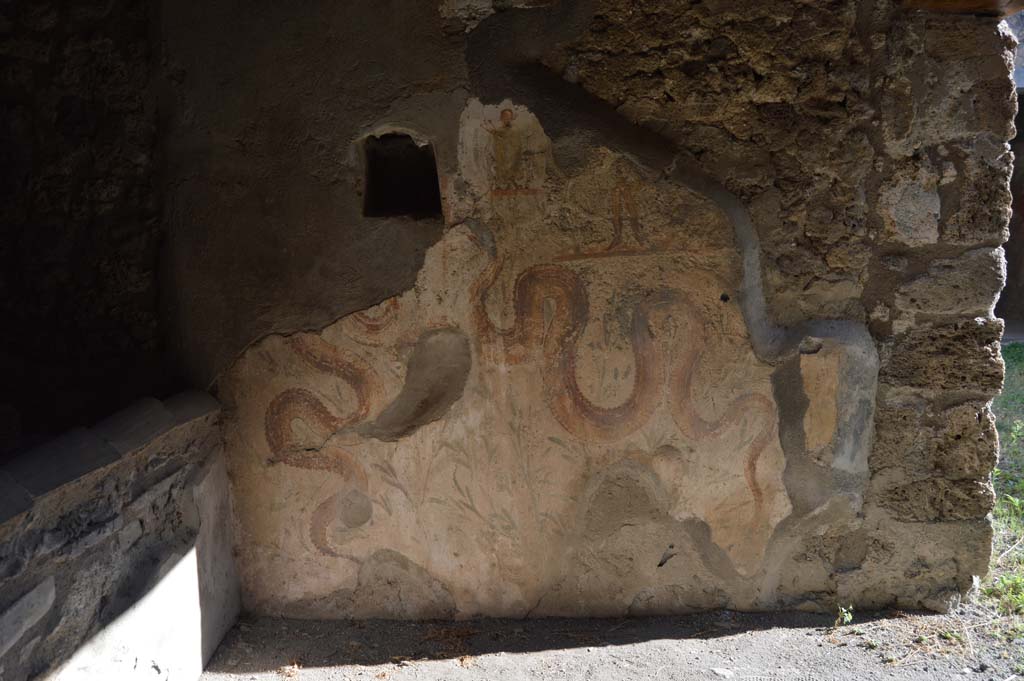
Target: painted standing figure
<point x="508" y="150"/>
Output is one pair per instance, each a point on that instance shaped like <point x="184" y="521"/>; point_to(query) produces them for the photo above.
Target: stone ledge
<point x="60" y="461"/>
<point x="190" y="404"/>
<point x="133" y="427"/>
<point x="43" y="469"/>
<point x="90" y="572"/>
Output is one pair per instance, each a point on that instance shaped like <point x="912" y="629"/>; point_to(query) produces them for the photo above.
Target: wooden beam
<point x="990" y="7"/>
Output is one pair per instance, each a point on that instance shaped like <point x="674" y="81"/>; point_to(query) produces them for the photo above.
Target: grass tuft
<point x="1004" y="588"/>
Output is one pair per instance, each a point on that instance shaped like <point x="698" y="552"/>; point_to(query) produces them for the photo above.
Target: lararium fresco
<point x="566" y="415"/>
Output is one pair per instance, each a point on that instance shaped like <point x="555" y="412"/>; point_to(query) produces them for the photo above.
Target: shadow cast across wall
<point x="169" y="631"/>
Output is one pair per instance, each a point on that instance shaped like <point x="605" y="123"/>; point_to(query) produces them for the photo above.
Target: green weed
<point x="844" y="615"/>
<point x="1008" y="591"/>
<point x="1004" y="588"/>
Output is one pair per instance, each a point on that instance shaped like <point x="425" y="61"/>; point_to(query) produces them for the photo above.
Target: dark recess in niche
<point x="401" y="178"/>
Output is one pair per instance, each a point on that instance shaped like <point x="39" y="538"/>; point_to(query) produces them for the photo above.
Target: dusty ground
<point x="789" y="646"/>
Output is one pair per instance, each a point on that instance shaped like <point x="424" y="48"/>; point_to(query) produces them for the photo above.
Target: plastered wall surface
<point x="707" y="320"/>
<point x="565" y="415"/>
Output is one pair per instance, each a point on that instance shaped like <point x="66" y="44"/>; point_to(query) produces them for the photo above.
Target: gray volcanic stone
<point x="25" y="613"/>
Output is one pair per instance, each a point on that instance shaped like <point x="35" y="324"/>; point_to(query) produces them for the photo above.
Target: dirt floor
<point x="722" y="645"/>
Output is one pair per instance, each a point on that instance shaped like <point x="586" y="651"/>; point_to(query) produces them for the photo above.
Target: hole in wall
<point x="401" y="178"/>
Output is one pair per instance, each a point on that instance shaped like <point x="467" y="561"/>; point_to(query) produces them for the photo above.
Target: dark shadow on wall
<point x="162" y="619"/>
<point x="1011" y="301"/>
<point x="79" y="217"/>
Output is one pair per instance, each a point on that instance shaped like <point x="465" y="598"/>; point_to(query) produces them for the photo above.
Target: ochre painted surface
<point x="564" y="415"/>
<point x="820" y="373"/>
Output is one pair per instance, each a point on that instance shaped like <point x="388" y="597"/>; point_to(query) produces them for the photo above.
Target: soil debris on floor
<point x="718" y="645"/>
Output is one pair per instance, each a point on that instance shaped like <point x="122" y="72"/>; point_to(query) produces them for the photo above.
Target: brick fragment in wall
<point x="134" y="426"/>
<point x="962" y="356"/>
<point x="191" y="404"/>
<point x="61" y="460"/>
<point x="14" y="499"/>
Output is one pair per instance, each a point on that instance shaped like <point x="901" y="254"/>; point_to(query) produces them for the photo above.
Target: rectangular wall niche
<point x="401" y="178"/>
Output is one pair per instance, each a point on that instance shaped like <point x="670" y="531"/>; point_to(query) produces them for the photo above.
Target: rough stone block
<point x="910" y="206"/>
<point x="938" y="499"/>
<point x="14" y="499"/>
<point x="963" y="356"/>
<point x="948" y="38"/>
<point x="958" y="443"/>
<point x="965" y="444"/>
<point x="61" y="461"/>
<point x="982" y="212"/>
<point x="25" y="614"/>
<point x="898" y="426"/>
<point x="134" y="427"/>
<point x="191" y="404"/>
<point x="933" y="98"/>
<point x="915" y="565"/>
<point x="966" y="286"/>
